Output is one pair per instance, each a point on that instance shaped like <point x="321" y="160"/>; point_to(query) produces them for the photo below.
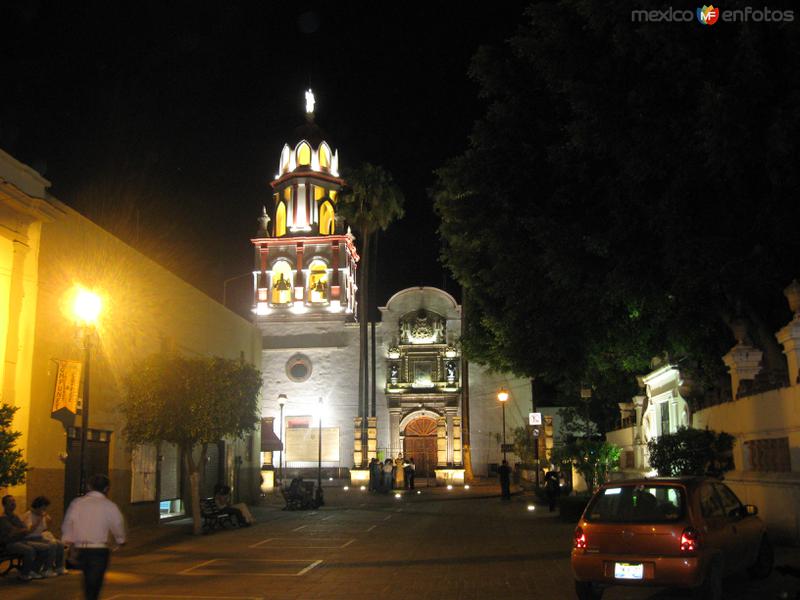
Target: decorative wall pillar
<point x="548" y="436"/>
<point x="358" y="455"/>
<point x="372" y="438"/>
<point x="789" y="336"/>
<point x="458" y="459"/>
<point x="744" y="363"/>
<point x="441" y="442"/>
<point x="394" y="433"/>
<point x="299" y="280"/>
<point x="449" y="416"/>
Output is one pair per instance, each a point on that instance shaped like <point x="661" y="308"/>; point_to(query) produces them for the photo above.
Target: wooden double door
<point x="419" y="443"/>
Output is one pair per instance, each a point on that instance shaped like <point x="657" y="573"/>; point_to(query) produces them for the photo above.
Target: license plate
<point x="628" y="571"/>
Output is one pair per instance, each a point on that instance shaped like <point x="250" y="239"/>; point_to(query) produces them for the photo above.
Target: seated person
<point x="38" y="523"/>
<point x="222" y="500"/>
<point x="12" y="539"/>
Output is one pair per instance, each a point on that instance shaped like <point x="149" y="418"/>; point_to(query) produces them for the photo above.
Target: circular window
<point x="298" y="368"/>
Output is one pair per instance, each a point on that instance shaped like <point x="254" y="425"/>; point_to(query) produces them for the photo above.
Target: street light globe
<point x="281" y="399"/>
<point x="87" y="306"/>
<point x="502" y="395"/>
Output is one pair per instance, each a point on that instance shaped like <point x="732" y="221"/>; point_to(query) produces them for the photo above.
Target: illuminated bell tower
<point x="305" y="263"/>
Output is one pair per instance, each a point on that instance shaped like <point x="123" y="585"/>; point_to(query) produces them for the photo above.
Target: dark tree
<point x="630" y="192"/>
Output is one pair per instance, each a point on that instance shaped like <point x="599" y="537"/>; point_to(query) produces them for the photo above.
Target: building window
<point x="281" y="283"/>
<point x="280" y="220"/>
<point x="663" y="413"/>
<point x="303" y="154"/>
<point x="324" y="156"/>
<point x="284" y="159"/>
<point x="326" y="220"/>
<point x="298" y="368"/>
<point x="770" y="454"/>
<point x="318" y="282"/>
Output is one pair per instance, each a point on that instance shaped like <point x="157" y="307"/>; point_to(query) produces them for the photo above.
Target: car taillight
<point x="580" y="538"/>
<point x="689" y="540"/>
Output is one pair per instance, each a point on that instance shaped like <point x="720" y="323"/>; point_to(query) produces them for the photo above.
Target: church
<point x="429" y="404"/>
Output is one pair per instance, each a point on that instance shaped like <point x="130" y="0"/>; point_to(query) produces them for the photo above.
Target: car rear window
<point x="637" y="504"/>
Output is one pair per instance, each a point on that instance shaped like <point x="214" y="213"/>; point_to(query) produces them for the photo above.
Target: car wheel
<point x="711" y="589"/>
<point x="588" y="591"/>
<point x="763" y="565"/>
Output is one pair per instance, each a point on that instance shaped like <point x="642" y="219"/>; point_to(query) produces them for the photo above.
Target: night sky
<point x="165" y="124"/>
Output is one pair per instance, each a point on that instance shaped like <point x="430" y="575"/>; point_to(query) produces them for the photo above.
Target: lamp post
<point x="87" y="308"/>
<point x="502" y="397"/>
<point x="319" y="499"/>
<point x="281" y="402"/>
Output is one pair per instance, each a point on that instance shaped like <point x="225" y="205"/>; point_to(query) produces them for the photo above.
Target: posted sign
<point x="534" y="419"/>
<point x="68" y="380"/>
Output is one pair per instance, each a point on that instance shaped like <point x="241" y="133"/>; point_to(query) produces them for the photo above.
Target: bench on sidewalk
<point x="299" y="495"/>
<point x="213" y="518"/>
<point x="14" y="562"/>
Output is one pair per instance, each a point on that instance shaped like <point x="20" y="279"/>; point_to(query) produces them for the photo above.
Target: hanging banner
<point x="68" y="380"/>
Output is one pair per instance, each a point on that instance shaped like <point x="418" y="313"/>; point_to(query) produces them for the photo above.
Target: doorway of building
<point x="97" y="444"/>
<point x="419" y="443"/>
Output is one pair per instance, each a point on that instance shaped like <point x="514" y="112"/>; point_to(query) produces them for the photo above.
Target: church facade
<point x="305" y="303"/>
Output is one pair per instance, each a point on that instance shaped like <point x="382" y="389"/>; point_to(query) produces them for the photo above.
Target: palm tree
<point x="370" y="203"/>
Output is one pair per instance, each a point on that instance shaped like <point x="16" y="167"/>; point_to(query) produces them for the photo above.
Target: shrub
<point x="692" y="452"/>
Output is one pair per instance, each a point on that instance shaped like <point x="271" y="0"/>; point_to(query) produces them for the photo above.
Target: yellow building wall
<point x="145" y="309"/>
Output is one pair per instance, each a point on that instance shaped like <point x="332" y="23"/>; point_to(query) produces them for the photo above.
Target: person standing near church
<point x="89" y="523"/>
<point x="505" y="480"/>
<point x="399" y="472"/>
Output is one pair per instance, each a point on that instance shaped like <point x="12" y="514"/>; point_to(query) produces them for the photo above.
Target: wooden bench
<point x="299" y="496"/>
<point x="213" y="518"/>
<point x="14" y="562"/>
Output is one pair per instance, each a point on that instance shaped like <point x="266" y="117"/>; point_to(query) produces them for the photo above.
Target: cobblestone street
<point x="435" y="544"/>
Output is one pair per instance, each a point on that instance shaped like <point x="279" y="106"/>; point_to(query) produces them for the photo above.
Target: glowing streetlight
<point x="86" y="308"/>
<point x="502" y="397"/>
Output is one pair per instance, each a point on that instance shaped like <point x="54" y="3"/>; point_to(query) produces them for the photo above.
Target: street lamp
<point x="86" y="307"/>
<point x="502" y="397"/>
<point x="319" y="499"/>
<point x="281" y="402"/>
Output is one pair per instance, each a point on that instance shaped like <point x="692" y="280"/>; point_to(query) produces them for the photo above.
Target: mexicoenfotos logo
<point x="707" y="15"/>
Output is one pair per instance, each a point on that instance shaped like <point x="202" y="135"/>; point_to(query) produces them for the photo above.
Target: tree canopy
<point x="12" y="467"/>
<point x="629" y="192"/>
<point x="190" y="402"/>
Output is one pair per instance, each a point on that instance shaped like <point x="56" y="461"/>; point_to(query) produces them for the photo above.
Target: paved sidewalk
<point x="437" y="544"/>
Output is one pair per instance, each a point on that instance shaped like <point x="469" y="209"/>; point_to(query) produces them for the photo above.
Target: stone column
<point x="394" y="433"/>
<point x="458" y="459"/>
<point x="358" y="455"/>
<point x="744" y="363"/>
<point x="441" y="442"/>
<point x="372" y="438"/>
<point x="449" y="415"/>
<point x="789" y="336"/>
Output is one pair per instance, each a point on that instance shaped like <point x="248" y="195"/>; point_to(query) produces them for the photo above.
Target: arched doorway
<point x="419" y="443"/>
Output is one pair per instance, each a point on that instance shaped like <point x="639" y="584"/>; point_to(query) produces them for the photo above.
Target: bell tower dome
<point x="305" y="261"/>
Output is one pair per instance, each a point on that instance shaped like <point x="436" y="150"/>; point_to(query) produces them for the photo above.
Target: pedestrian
<point x="505" y="480"/>
<point x="386" y="484"/>
<point x="38" y="523"/>
<point x="399" y="472"/>
<point x="552" y="488"/>
<point x="89" y="523"/>
<point x="410" y="469"/>
<point x="374" y="475"/>
<point x="35" y="554"/>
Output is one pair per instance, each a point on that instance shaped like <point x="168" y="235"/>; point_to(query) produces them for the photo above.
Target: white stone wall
<point x="332" y="348"/>
<point x="773" y="414"/>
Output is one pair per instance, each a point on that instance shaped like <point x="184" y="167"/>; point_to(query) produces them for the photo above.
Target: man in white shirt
<point x="88" y="524"/>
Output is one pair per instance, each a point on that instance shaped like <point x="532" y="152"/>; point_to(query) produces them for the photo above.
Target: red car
<point x="673" y="532"/>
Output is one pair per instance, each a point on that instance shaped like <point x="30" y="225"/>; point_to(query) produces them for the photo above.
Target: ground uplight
<point x="531" y="507"/>
<point x="449" y="487"/>
<point x="419" y="492"/>
<point x="466" y="487"/>
<point x="397" y="495"/>
<point x="347" y="487"/>
<point x="363" y="488"/>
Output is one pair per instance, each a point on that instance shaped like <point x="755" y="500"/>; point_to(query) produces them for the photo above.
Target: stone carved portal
<point x="419" y="443"/>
